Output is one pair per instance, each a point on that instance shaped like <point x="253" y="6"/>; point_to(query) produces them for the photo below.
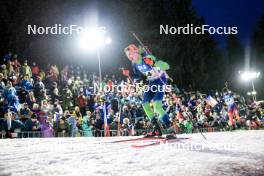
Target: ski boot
<point x="171" y="134"/>
<point x="156" y="129"/>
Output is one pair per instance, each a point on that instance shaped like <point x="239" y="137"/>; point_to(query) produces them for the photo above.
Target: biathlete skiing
<point x="145" y="63"/>
<point x="232" y="108"/>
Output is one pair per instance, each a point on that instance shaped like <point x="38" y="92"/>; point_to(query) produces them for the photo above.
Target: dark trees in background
<point x="235" y="56"/>
<point x="257" y="55"/>
<point x="195" y="60"/>
<point x="258" y="45"/>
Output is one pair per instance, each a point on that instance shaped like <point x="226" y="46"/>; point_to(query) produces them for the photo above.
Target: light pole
<point x="250" y="76"/>
<point x="253" y="91"/>
<point x="99" y="67"/>
<point x="96" y="39"/>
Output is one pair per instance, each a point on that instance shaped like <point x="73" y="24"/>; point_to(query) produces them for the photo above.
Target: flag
<point x="211" y="101"/>
<point x="125" y="72"/>
<point x="106" y="127"/>
<point x="110" y="83"/>
<point x="9" y="119"/>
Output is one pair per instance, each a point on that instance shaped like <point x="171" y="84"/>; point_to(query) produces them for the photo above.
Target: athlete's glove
<point x="148" y="61"/>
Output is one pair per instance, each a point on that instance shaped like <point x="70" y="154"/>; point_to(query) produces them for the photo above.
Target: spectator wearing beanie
<point x="30" y="99"/>
<point x="7" y="57"/>
<point x="4" y="71"/>
<point x="38" y="87"/>
<point x="25" y="70"/>
<point x="86" y="125"/>
<point x="10" y="69"/>
<point x="35" y="70"/>
<point x="73" y="125"/>
<point x="33" y="125"/>
<point x="61" y="128"/>
<point x="2" y="82"/>
<point x="25" y="113"/>
<point x="67" y="98"/>
<point x="26" y="84"/>
<point x="78" y="116"/>
<point x="81" y="101"/>
<point x="10" y="96"/>
<point x="16" y="64"/>
<point x="11" y="123"/>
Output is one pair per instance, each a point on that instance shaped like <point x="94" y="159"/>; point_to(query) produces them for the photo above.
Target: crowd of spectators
<point x="63" y="102"/>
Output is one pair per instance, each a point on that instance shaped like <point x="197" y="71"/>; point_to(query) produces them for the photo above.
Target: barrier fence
<point x="98" y="133"/>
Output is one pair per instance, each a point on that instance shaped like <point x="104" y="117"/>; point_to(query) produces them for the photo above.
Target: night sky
<point x="241" y="13"/>
<point x="186" y="54"/>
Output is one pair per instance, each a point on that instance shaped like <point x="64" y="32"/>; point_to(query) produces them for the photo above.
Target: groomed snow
<point x="224" y="153"/>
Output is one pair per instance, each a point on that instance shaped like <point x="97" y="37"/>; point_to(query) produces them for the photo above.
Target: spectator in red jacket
<point x="35" y="70"/>
<point x="81" y="102"/>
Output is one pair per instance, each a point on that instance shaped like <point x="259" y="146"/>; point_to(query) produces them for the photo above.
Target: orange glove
<point x="148" y="61"/>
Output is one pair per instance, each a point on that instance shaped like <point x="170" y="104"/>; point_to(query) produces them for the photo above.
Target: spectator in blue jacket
<point x="10" y="96"/>
<point x="7" y="57"/>
<point x="26" y="84"/>
<point x="32" y="124"/>
<point x="86" y="126"/>
<point x="73" y="125"/>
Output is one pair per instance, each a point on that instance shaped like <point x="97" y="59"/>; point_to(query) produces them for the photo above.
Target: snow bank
<point x="225" y="153"/>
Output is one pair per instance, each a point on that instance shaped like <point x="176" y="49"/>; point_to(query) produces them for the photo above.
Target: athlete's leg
<point x="230" y="115"/>
<point x="148" y="110"/>
<point x="237" y="115"/>
<point x="163" y="116"/>
<point x="147" y="97"/>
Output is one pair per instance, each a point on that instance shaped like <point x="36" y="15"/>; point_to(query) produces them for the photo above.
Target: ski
<point x="138" y="139"/>
<point x="158" y="142"/>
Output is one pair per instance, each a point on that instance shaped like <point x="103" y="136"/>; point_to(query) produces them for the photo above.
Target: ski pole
<point x="143" y="46"/>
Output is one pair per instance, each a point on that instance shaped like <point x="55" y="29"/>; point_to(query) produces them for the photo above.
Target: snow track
<point x="226" y="153"/>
